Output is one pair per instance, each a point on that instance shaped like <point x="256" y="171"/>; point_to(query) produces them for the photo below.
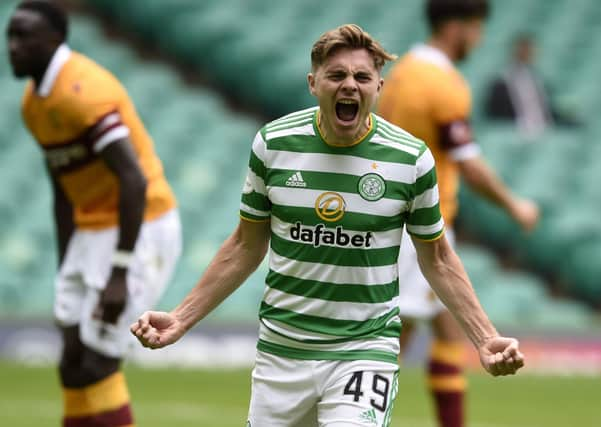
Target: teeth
<point x="347" y="101"/>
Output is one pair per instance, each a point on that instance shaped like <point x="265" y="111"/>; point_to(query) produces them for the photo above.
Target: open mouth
<point x="347" y="110"/>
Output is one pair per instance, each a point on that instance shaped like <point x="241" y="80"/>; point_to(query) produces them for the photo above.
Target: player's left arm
<point x="480" y="177"/>
<point x="444" y="271"/>
<point x="121" y="159"/>
<point x="456" y="137"/>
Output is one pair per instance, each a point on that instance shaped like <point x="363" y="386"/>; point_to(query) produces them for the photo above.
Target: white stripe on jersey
<point x="245" y="208"/>
<point x="424" y="230"/>
<point x="255" y="182"/>
<point x="303" y="197"/>
<point x="300" y="130"/>
<point x="387" y="344"/>
<point x="341" y="164"/>
<point x="332" y="273"/>
<point x="427" y="199"/>
<point x="308" y="112"/>
<point x="293" y="123"/>
<point x="424" y="163"/>
<point x="259" y="147"/>
<point x="377" y="139"/>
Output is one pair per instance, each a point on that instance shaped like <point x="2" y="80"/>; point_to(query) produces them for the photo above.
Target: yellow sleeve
<point x="92" y="98"/>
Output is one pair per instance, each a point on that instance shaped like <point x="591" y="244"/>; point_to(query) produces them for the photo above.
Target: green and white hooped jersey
<point x="336" y="214"/>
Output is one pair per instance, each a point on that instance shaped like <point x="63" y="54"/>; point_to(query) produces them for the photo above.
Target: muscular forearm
<point x="132" y="202"/>
<point x="481" y="178"/>
<point x="449" y="280"/>
<point x="121" y="159"/>
<point x="231" y="266"/>
<point x="63" y="216"/>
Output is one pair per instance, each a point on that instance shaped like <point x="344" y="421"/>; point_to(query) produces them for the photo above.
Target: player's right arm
<point x="237" y="258"/>
<point x="63" y="216"/>
<point x="444" y="271"/>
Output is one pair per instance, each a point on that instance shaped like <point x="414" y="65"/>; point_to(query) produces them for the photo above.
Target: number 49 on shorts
<point x="380" y="387"/>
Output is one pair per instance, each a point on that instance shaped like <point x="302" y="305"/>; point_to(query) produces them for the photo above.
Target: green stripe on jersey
<point x="344" y="183"/>
<point x="333" y="292"/>
<point x="257" y="165"/>
<point x="393" y="392"/>
<point x="256" y="201"/>
<point x="366" y="150"/>
<point x="426" y="216"/>
<point x="298" y="353"/>
<point x="345" y="329"/>
<point x="425" y="182"/>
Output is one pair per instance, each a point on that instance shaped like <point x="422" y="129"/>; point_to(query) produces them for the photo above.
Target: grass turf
<point x="188" y="397"/>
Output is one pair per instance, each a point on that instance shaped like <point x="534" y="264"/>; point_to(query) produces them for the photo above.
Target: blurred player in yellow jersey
<point x="427" y="96"/>
<point x="118" y="229"/>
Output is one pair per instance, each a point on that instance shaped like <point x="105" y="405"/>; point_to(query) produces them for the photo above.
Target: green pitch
<point x="188" y="397"/>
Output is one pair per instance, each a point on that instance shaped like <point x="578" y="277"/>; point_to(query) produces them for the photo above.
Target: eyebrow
<point x="340" y="69"/>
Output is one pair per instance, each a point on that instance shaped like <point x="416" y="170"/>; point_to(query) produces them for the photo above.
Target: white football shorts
<point x="416" y="299"/>
<point x="87" y="267"/>
<point x="321" y="393"/>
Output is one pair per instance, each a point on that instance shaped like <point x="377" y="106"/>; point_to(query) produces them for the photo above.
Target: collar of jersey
<point x="367" y="134"/>
<point x="60" y="57"/>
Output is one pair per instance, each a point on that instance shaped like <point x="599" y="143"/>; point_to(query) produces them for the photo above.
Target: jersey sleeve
<point x="94" y="109"/>
<point x="451" y="109"/>
<point x="424" y="220"/>
<point x="255" y="204"/>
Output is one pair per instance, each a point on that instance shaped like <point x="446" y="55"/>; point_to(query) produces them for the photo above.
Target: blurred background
<point x="206" y="74"/>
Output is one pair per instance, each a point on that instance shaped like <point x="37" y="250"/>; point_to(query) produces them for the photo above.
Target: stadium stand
<point x="194" y="135"/>
<point x="204" y="148"/>
<point x="560" y="170"/>
<point x="222" y="38"/>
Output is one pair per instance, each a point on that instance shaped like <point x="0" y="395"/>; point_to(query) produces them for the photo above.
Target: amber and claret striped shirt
<point x="76" y="111"/>
<point x="427" y="96"/>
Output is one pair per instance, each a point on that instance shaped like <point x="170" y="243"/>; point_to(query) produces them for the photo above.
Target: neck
<point x="331" y="138"/>
<point x="443" y="45"/>
<point x="38" y="75"/>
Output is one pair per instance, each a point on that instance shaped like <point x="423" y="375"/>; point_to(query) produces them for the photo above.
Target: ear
<point x="311" y="83"/>
<point x="380" y="85"/>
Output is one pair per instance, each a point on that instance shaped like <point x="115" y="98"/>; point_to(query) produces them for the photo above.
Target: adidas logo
<point x="369" y="416"/>
<point x="296" y="180"/>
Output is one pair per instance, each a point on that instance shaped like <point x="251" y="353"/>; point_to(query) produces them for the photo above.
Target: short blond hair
<point x="350" y="36"/>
